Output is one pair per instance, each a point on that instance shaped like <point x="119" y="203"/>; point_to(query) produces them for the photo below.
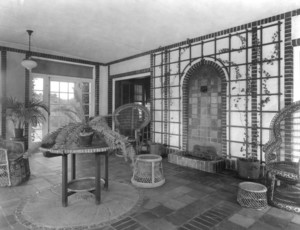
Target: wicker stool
<point x="252" y="195"/>
<point x="148" y="171"/>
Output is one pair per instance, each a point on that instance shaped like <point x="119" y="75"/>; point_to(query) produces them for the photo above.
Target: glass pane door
<point x="68" y="99"/>
<point x="69" y="102"/>
<point x="38" y="93"/>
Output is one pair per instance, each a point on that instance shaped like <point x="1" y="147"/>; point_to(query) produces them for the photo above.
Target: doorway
<point x="60" y="92"/>
<point x="135" y="90"/>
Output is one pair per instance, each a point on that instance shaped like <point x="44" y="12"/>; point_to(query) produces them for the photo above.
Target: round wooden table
<point x="82" y="184"/>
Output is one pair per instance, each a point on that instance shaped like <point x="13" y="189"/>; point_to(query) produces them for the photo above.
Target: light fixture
<point x="28" y="63"/>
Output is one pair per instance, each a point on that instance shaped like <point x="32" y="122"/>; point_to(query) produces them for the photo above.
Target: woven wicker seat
<point x="14" y="166"/>
<point x="282" y="154"/>
<point x="130" y="120"/>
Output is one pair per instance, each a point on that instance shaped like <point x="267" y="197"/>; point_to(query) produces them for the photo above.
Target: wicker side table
<point x="252" y="195"/>
<point x="148" y="171"/>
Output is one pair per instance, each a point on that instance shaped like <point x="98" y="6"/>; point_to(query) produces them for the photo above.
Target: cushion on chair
<point x="288" y="170"/>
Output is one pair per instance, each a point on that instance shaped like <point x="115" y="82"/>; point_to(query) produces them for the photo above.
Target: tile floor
<point x="189" y="200"/>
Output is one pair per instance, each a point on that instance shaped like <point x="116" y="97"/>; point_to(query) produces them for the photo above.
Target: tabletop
<point x="97" y="146"/>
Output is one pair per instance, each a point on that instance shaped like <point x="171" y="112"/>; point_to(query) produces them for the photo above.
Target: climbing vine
<point x="245" y="92"/>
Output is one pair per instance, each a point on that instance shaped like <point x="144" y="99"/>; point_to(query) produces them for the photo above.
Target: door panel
<point x="60" y="93"/>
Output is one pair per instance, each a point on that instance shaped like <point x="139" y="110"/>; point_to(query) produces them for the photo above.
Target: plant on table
<point x="81" y="127"/>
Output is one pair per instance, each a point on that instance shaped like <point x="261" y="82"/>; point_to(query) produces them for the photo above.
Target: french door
<point x="59" y="93"/>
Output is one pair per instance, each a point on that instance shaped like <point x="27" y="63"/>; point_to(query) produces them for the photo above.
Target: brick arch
<point x="221" y="72"/>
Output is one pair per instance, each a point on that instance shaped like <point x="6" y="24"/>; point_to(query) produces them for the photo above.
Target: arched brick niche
<point x="204" y="101"/>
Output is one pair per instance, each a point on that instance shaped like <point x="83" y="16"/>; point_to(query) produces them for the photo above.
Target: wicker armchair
<point x="282" y="155"/>
<point x="130" y="120"/>
<point x="14" y="165"/>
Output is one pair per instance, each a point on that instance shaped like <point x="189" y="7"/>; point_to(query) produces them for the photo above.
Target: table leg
<point x="64" y="180"/>
<point x="98" y="178"/>
<point x="73" y="166"/>
<point x="106" y="171"/>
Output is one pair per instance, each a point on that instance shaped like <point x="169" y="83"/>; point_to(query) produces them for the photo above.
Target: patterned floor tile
<point x="293" y="226"/>
<point x="161" y="224"/>
<point x="228" y="225"/>
<point x="177" y="218"/>
<point x="280" y="213"/>
<point x="161" y="211"/>
<point x="243" y="221"/>
<point x="274" y="221"/>
<point x="145" y="218"/>
<point x="174" y="204"/>
<point x="296" y="219"/>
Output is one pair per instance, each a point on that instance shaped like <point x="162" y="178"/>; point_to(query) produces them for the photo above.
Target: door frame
<point x="46" y="94"/>
<point x="141" y="75"/>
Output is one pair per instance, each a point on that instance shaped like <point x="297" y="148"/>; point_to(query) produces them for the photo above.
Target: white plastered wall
<point x="296" y="35"/>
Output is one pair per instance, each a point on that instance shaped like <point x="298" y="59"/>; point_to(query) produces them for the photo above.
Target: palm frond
<point x="19" y="113"/>
<point x="112" y="138"/>
<point x="99" y="121"/>
<point x="65" y="134"/>
<point x="50" y="138"/>
<point x="73" y="135"/>
<point x="73" y="115"/>
<point x="36" y="104"/>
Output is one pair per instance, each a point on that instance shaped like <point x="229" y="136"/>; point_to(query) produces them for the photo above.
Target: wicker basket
<point x="14" y="167"/>
<point x="19" y="171"/>
<point x="15" y="172"/>
<point x="148" y="172"/>
<point x="252" y="195"/>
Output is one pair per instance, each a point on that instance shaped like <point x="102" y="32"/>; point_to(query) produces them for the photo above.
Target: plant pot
<point x="19" y="133"/>
<point x="86" y="139"/>
<point x="248" y="169"/>
<point x="157" y="149"/>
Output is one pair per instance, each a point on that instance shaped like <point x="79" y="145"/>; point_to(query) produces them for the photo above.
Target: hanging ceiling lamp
<point x="28" y="63"/>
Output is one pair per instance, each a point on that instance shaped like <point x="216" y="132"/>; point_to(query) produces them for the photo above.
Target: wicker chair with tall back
<point x="131" y="120"/>
<point x="14" y="164"/>
<point x="282" y="155"/>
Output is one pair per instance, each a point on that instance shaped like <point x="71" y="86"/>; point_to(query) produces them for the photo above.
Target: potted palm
<point x="20" y="114"/>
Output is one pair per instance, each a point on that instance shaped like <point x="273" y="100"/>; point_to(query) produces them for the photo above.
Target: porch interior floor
<point x="189" y="200"/>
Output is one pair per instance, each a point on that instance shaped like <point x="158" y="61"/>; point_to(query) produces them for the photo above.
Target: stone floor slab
<point x="243" y="221"/>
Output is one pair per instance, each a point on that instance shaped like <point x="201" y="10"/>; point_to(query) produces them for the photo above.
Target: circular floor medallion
<point x="44" y="210"/>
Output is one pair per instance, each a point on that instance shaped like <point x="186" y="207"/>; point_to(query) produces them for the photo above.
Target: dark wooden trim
<point x="147" y="70"/>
